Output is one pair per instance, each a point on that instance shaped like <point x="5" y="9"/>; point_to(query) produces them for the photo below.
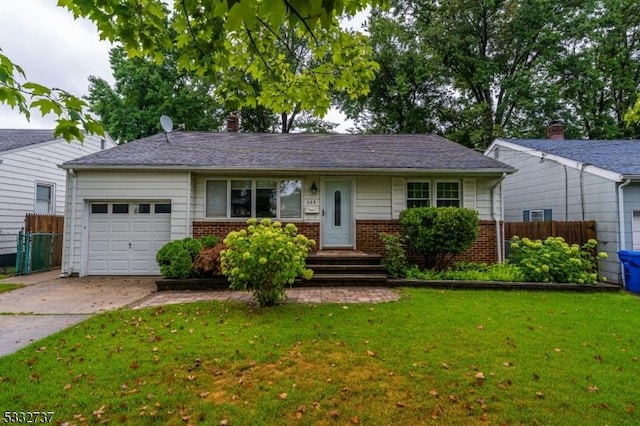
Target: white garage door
<point x="125" y="236"/>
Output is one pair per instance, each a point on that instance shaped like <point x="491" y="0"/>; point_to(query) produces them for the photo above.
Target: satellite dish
<point x="166" y="123"/>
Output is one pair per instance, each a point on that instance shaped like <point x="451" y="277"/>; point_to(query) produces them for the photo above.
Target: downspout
<point x="189" y="227"/>
<point x="72" y="226"/>
<point x="622" y="241"/>
<point x="566" y="194"/>
<point x="499" y="240"/>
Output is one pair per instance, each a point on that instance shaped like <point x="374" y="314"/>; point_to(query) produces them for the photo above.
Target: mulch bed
<point x="220" y="283"/>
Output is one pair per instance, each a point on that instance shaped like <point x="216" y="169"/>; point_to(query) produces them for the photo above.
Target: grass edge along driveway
<point x="434" y="357"/>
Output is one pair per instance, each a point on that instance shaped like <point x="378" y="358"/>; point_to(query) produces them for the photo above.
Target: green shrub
<point x="394" y="260"/>
<point x="209" y="241"/>
<point x="553" y="260"/>
<point x="176" y="257"/>
<point x="264" y="258"/>
<point x="439" y="233"/>
<point x="471" y="272"/>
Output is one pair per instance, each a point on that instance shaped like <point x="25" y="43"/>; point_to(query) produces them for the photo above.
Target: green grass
<point x="9" y="287"/>
<point x="546" y="358"/>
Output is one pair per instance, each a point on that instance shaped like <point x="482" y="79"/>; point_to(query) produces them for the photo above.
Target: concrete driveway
<point x="49" y="304"/>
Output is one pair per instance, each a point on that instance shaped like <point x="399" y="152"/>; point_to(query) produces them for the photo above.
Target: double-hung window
<point x="418" y="194"/>
<point x="44" y="199"/>
<point x="447" y="194"/>
<point x="264" y="198"/>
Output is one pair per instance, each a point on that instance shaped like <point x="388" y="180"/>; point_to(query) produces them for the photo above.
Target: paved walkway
<point x="294" y="295"/>
<point x="48" y="304"/>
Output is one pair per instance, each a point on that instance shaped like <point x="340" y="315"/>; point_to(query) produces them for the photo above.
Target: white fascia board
<point x="456" y="172"/>
<point x="588" y="168"/>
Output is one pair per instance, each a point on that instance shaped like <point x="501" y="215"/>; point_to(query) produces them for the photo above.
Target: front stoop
<point x="337" y="268"/>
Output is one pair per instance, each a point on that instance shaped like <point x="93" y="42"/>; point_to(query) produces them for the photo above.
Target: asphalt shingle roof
<point x="292" y="152"/>
<point x="620" y="156"/>
<point x="19" y="138"/>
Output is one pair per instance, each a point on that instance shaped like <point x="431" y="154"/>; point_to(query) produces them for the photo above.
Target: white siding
<point x="23" y="168"/>
<point x="373" y="198"/>
<point x="118" y="185"/>
<point x="548" y="185"/>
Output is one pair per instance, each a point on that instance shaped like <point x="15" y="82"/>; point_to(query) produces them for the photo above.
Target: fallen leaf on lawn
<point x="354" y="420"/>
<point x="630" y="409"/>
<point x="539" y="394"/>
<point x="598" y="358"/>
<point x="436" y="412"/>
<point x="484" y="417"/>
<point x="34" y="377"/>
<point x="400" y="404"/>
<point x="223" y="422"/>
<point x="298" y="415"/>
<point x="507" y="364"/>
<point x="480" y="375"/>
<point x="334" y="414"/>
<point x="434" y="393"/>
<point x="191" y="377"/>
<point x="134" y="365"/>
<point x="536" y="377"/>
<point x="283" y="395"/>
<point x="67" y="386"/>
<point x="316" y="405"/>
<point x="480" y="327"/>
<point x="203" y="394"/>
<point x="453" y="398"/>
<point x="445" y="365"/>
<point x="99" y="412"/>
<point x="301" y="409"/>
<point x="593" y="389"/>
<point x="557" y="350"/>
<point x="371" y="353"/>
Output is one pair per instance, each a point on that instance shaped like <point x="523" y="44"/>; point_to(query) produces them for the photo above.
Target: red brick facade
<point x="221" y="229"/>
<point x="368" y="236"/>
<point x="484" y="250"/>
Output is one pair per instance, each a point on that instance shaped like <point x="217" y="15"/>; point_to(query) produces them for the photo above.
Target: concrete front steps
<point x="341" y="268"/>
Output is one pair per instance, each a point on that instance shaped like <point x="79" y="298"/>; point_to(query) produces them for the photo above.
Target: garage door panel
<point x="126" y="243"/>
<point x="120" y="227"/>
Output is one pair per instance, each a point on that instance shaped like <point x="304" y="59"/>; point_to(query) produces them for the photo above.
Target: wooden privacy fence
<point x="47" y="224"/>
<point x="572" y="232"/>
<point x="51" y="223"/>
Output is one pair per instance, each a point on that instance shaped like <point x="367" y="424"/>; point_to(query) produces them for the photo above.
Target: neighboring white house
<point x="342" y="190"/>
<point x="31" y="180"/>
<point x="576" y="180"/>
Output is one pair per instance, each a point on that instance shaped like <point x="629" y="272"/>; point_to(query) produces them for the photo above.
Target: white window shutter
<point x="398" y="197"/>
<point x="469" y="193"/>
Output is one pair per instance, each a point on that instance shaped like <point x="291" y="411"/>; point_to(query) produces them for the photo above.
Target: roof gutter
<point x="183" y="168"/>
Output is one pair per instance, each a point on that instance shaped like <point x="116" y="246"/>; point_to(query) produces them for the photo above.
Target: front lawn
<point x="441" y="357"/>
<point x="9" y="287"/>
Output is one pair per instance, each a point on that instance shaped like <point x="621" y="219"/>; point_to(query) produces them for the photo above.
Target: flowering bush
<point x="264" y="258"/>
<point x="176" y="257"/>
<point x="553" y="260"/>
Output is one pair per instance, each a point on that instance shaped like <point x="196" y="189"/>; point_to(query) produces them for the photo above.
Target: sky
<point x="55" y="50"/>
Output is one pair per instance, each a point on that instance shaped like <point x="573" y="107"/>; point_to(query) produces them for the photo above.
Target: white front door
<point x="337" y="222"/>
<point x="124" y="237"/>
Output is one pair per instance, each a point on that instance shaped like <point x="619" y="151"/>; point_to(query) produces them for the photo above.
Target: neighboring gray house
<point x="341" y="190"/>
<point x="31" y="180"/>
<point x="566" y="180"/>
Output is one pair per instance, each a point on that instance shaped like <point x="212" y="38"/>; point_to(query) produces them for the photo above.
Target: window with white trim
<point x="263" y="198"/>
<point x="537" y="215"/>
<point x="44" y="198"/>
<point x="447" y="194"/>
<point x="418" y="194"/>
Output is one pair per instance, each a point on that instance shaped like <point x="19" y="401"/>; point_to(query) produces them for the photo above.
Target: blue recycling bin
<point x="631" y="262"/>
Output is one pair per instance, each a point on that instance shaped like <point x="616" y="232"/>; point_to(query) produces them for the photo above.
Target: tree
<point x="17" y="92"/>
<point x="407" y="93"/>
<point x="233" y="40"/>
<point x="144" y="91"/>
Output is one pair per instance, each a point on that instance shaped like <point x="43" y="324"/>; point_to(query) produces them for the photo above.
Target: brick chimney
<point x="555" y="130"/>
<point x="233" y="122"/>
